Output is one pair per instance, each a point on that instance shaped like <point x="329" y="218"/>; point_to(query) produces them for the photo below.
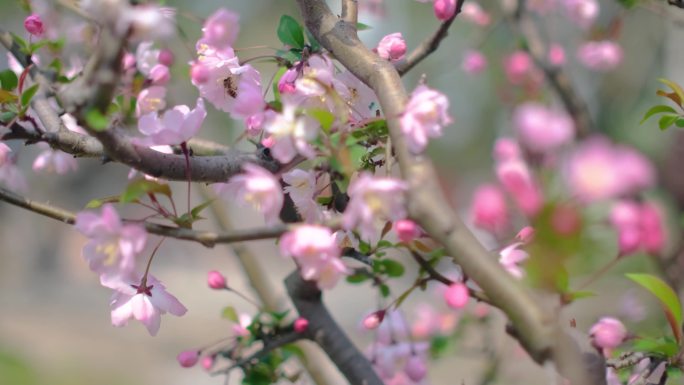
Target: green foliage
<point x="230" y="314"/>
<point x="28" y="94"/>
<point x="664" y="346"/>
<point x="98" y="202"/>
<point x="668" y="298"/>
<point x="290" y="32"/>
<point x="96" y="120"/>
<point x="186" y="220"/>
<point x="139" y="187"/>
<point x="8" y="80"/>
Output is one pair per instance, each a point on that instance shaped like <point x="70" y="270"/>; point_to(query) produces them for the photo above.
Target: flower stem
<point x="143" y="281"/>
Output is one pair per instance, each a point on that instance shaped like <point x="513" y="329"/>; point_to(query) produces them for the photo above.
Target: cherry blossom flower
<point x="517" y="180"/>
<point x="4" y="153"/>
<point x="607" y="333"/>
<point x="301" y="188"/>
<point x="392" y="47"/>
<point x="150" y="99"/>
<point x="144" y="300"/>
<point x="316" y="251"/>
<point x="598" y="170"/>
<point x="258" y="187"/>
<point x="489" y="209"/>
<point x="291" y="134"/>
<point x="373" y="320"/>
<point x="582" y="12"/>
<point x="166" y="57"/>
<point x="541" y="129"/>
<point x="653" y="233"/>
<point x="416" y="368"/>
<point x="34" y="25"/>
<point x="424" y="117"/>
<point x="51" y="160"/>
<point x="112" y="246"/>
<point x="207" y="362"/>
<point x="221" y="29"/>
<point x="228" y="86"/>
<point x="146" y="57"/>
<point x="474" y="62"/>
<point x="639" y="226"/>
<point x="600" y="55"/>
<point x="372" y="201"/>
<point x="160" y="75"/>
<point x="430" y="322"/>
<point x="506" y="149"/>
<point x="511" y="257"/>
<point x="175" y="126"/>
<point x="473" y="12"/>
<point x="360" y="98"/>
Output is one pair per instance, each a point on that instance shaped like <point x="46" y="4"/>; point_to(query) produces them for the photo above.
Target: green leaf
<point x="679" y="122"/>
<point x="666" y="121"/>
<point x="384" y="244"/>
<point x="661" y="346"/>
<point x="27" y="95"/>
<point x="315" y="45"/>
<point x="7" y="97"/>
<point x="659" y="109"/>
<point x="6" y="116"/>
<point x="290" y="32"/>
<point x="363" y="27"/>
<point x="230" y="314"/>
<point x="96" y="203"/>
<point x="23" y="45"/>
<point x="628" y="3"/>
<point x="675" y="87"/>
<point x="324" y="117"/>
<point x="138" y="187"/>
<point x="667" y="297"/>
<point x="198" y="209"/>
<point x="384" y="290"/>
<point x="392" y="268"/>
<point x="96" y="120"/>
<point x="357" y="277"/>
<point x="8" y="80"/>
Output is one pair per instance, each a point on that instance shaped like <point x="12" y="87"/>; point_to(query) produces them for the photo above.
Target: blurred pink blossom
<point x="457" y="295"/>
<point x="54" y="161"/>
<point x="582" y="12"/>
<point x="160" y="75"/>
<point x="216" y="280"/>
<point x="511" y="257"/>
<point x="506" y="149"/>
<point x="424" y="116"/>
<point x="518" y="181"/>
<point x="541" y="129"/>
<point x="221" y="29"/>
<point x="301" y="325"/>
<point x="188" y="358"/>
<point x="473" y="12"/>
<point x="556" y="55"/>
<point x="175" y="126"/>
<point x="416" y="368"/>
<point x="474" y="62"/>
<point x="407" y="230"/>
<point x="600" y="55"/>
<point x="444" y="9"/>
<point x="489" y="210"/>
<point x="256" y="186"/>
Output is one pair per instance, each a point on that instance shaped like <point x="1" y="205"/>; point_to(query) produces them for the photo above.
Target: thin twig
<point x="274" y="343"/>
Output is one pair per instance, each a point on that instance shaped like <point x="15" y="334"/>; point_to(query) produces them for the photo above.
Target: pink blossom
<point x="506" y="149"/>
<point x="207" y="362"/>
<point x="228" y="86"/>
<point x="146" y="22"/>
<point x="301" y="188"/>
<point x="407" y="230"/>
<point x="541" y="129"/>
<point x="517" y="180"/>
<point x="392" y="47"/>
<point x="175" y="126"/>
<point x="444" y="9"/>
<point x="424" y="116"/>
<point x="150" y="99"/>
<point x="429" y="322"/>
<point x="415" y="368"/>
<point x="199" y="73"/>
<point x="474" y="62"/>
<point x="598" y="170"/>
<point x="34" y="25"/>
<point x="373" y="320"/>
<point x="600" y="55"/>
<point x="258" y="187"/>
<point x="489" y="210"/>
<point x="361" y="99"/>
<point x="510" y="258"/>
<point x="112" y="246"/>
<point x="518" y="67"/>
<point x="607" y="333"/>
<point x="291" y="134"/>
<point x="286" y="83"/>
<point x="373" y="200"/>
<point x="221" y="29"/>
<point x="145" y="301"/>
<point x="473" y="12"/>
<point x="525" y="235"/>
<point x="638" y="226"/>
<point x="457" y="295"/>
<point x="556" y="55"/>
<point x="653" y="234"/>
<point x="188" y="358"/>
<point x="12" y="177"/>
<point x="128" y="61"/>
<point x="166" y="57"/>
<point x="582" y="12"/>
<point x="146" y="57"/>
<point x="4" y="153"/>
<point x="301" y="325"/>
<point x="216" y="280"/>
<point x="160" y="75"/>
<point x="317" y="253"/>
<point x="51" y="160"/>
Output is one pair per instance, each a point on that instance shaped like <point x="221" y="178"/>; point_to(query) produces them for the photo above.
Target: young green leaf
<point x="96" y="120"/>
<point x="27" y="95"/>
<point x="229" y="313"/>
<point x="8" y="80"/>
<point x="290" y="32"/>
<point x="676" y="88"/>
<point x="659" y="109"/>
<point x="96" y="203"/>
<point x="666" y="121"/>
<point x="667" y="297"/>
<point x="139" y="187"/>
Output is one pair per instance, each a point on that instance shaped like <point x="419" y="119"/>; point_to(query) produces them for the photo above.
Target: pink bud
<point x="517" y="66"/>
<point x="34" y="25"/>
<point x="489" y="209"/>
<point x="444" y="9"/>
<point x="607" y="333"/>
<point x="159" y="75"/>
<point x="166" y="57"/>
<point x="373" y="320"/>
<point x="526" y="234"/>
<point x="208" y="362"/>
<point x="556" y="55"/>
<point x="652" y="230"/>
<point x="128" y="61"/>
<point x="301" y="324"/>
<point x="474" y="62"/>
<point x="456" y="295"/>
<point x="392" y="47"/>
<point x="506" y="149"/>
<point x="629" y="240"/>
<point x="415" y="368"/>
<point x="407" y="230"/>
<point x="199" y="74"/>
<point x="188" y="358"/>
<point x="216" y="280"/>
<point x="268" y="141"/>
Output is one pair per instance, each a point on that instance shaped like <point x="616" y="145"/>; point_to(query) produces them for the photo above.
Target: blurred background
<point x="54" y="316"/>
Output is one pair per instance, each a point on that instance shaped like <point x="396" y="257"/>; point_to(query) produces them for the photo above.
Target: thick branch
<point x="328" y="334"/>
<point x="430" y="44"/>
<point x="350" y="11"/>
<point x="537" y="326"/>
<point x="207" y="238"/>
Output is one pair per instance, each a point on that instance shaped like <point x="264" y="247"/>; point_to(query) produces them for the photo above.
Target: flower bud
<point x="373" y="320"/>
<point x="208" y="362"/>
<point x="301" y="324"/>
<point x="188" y="358"/>
<point x="166" y="57"/>
<point x="34" y="25"/>
<point x="159" y="75"/>
<point x="526" y="234"/>
<point x="456" y="295"/>
<point x="607" y="333"/>
<point x="216" y="280"/>
<point x="444" y="9"/>
<point x="199" y="74"/>
<point x="415" y="368"/>
<point x="407" y="230"/>
<point x="392" y="47"/>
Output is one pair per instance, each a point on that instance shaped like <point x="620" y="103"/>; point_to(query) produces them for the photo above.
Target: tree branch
<point x="350" y="11"/>
<point x="429" y="45"/>
<point x="327" y="333"/>
<point x="272" y="344"/>
<point x="539" y="331"/>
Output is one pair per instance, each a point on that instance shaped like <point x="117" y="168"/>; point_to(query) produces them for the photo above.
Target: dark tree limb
<point x="327" y="333"/>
